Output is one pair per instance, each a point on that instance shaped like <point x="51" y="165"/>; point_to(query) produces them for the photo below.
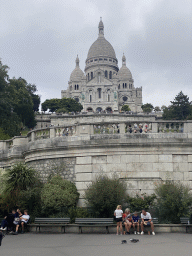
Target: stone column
<point x="154" y="127"/>
<point x="33" y="136"/>
<point x="122" y="128"/>
<point x="52" y="133"/>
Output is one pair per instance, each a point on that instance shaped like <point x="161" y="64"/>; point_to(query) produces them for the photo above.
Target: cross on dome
<point x="124" y="60"/>
<point x="77" y="61"/>
<point x="101" y="27"/>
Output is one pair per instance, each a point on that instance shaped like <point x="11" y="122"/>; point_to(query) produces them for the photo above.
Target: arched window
<point x="77" y="87"/>
<point x="89" y="109"/>
<point x="106" y="74"/>
<point x="108" y="97"/>
<point x="110" y="75"/>
<point x="99" y="93"/>
<point x="88" y="76"/>
<point x="119" y="86"/>
<point x="91" y="75"/>
<point x="125" y="85"/>
<point x="90" y="98"/>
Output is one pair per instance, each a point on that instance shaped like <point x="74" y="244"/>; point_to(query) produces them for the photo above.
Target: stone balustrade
<point x="100" y="127"/>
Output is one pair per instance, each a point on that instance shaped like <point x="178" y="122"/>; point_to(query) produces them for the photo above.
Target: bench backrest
<point x="94" y="220"/>
<point x="155" y="220"/>
<point x="184" y="220"/>
<point x="52" y="220"/>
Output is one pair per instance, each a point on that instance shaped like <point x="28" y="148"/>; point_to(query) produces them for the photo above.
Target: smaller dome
<point x="124" y="73"/>
<point x="77" y="73"/>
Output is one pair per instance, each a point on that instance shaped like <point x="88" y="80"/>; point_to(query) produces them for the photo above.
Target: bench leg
<point x="80" y="230"/>
<point x="107" y="229"/>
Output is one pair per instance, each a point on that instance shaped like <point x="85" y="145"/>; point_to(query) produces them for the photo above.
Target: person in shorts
<point x="23" y="220"/>
<point x="127" y="220"/>
<point x="118" y="218"/>
<point x="146" y="220"/>
<point x="135" y="222"/>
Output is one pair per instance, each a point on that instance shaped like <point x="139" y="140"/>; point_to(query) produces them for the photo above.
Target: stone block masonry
<point x="140" y="160"/>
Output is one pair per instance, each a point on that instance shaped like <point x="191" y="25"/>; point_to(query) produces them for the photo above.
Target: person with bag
<point x="17" y="220"/>
<point x="23" y="221"/>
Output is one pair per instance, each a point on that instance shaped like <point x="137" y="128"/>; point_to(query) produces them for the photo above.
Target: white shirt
<point x="25" y="217"/>
<point x="147" y="216"/>
<point x="118" y="213"/>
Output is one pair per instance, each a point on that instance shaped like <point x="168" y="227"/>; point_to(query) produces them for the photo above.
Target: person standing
<point x="118" y="217"/>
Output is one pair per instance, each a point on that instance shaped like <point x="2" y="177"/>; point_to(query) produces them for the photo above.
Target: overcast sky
<point x="40" y="39"/>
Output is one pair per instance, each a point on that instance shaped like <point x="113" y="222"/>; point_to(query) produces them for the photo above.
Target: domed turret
<point x="124" y="73"/>
<point x="77" y="73"/>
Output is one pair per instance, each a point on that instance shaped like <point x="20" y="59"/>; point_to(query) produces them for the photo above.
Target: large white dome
<point x="101" y="48"/>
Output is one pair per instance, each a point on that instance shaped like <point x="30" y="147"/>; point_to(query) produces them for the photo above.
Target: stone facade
<point x="106" y="147"/>
<point x="103" y="86"/>
<point x="62" y="166"/>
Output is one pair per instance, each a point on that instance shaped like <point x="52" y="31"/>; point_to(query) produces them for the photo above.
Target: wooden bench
<point x="49" y="222"/>
<point x="154" y="220"/>
<point x="185" y="221"/>
<point x="94" y="222"/>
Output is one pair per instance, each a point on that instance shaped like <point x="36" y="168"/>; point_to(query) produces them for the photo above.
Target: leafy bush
<point x="77" y="213"/>
<point x="138" y="203"/>
<point x="173" y="201"/>
<point x="58" y="194"/>
<point x="125" y="108"/>
<point x="21" y="188"/>
<point x="104" y="194"/>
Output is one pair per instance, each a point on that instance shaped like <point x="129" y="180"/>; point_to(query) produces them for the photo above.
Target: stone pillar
<point x="52" y="133"/>
<point x="33" y="136"/>
<point x="91" y="129"/>
<point x="187" y="127"/>
<point x="122" y="128"/>
<point x="154" y="127"/>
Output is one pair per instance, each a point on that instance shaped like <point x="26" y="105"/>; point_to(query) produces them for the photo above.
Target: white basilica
<point x="103" y="86"/>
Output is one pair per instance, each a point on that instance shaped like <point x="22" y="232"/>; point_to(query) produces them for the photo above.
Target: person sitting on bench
<point x="4" y="222"/>
<point x="127" y="219"/>
<point x="147" y="221"/>
<point x="135" y="221"/>
<point x="23" y="221"/>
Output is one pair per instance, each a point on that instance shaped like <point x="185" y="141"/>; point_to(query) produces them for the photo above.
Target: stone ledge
<point x="74" y="228"/>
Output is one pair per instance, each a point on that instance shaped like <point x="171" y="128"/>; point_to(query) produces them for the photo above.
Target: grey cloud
<point x="40" y="40"/>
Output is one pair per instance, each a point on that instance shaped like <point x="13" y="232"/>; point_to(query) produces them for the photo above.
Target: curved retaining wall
<point x="140" y="159"/>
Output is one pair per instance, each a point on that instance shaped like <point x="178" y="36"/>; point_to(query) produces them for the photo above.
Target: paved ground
<point x="96" y="244"/>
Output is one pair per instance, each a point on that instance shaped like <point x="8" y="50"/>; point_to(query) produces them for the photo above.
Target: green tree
<point x="138" y="203"/>
<point x="58" y="194"/>
<point x="3" y="135"/>
<point x="22" y="102"/>
<point x="163" y="107"/>
<point x="147" y="108"/>
<point x="173" y="201"/>
<point x="157" y="109"/>
<point x="31" y="88"/>
<point x="179" y="109"/>
<point x="125" y="108"/>
<point x="17" y="103"/>
<point x="104" y="194"/>
<point x="60" y="105"/>
<point x="9" y="121"/>
<point x="20" y="185"/>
